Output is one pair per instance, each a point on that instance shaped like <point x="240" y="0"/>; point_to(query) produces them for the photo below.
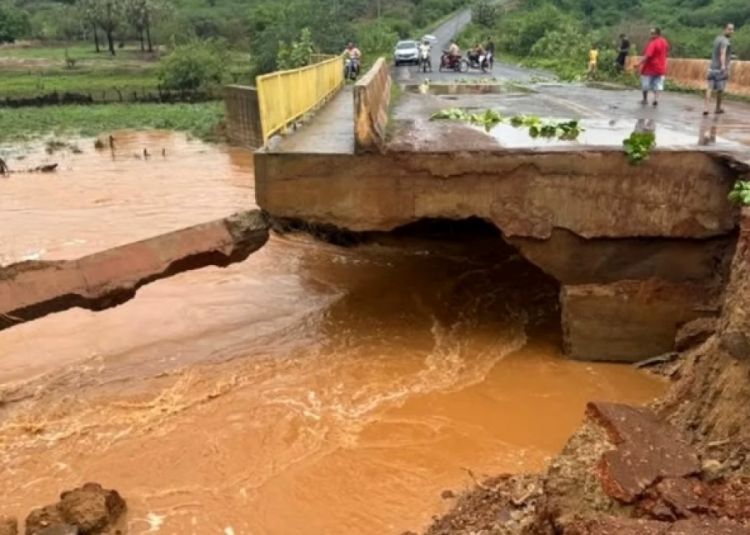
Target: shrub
<point x="297" y="54"/>
<point x="193" y="66"/>
<point x="484" y="13"/>
<point x="14" y="23"/>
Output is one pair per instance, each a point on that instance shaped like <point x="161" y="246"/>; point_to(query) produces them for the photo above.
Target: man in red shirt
<point x="653" y="66"/>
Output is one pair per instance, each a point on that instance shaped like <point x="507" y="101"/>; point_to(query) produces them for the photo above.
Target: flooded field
<point x="310" y="389"/>
<point x="101" y="198"/>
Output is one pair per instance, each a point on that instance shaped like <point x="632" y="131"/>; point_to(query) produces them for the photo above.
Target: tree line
<point x="107" y="16"/>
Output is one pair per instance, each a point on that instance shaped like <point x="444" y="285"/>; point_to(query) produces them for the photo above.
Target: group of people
<point x="480" y="55"/>
<point x="652" y="67"/>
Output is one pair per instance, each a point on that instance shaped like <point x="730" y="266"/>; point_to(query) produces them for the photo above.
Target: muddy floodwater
<point x="311" y="389"/>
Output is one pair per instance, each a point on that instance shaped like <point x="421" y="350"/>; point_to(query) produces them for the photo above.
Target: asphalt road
<point x="408" y="74"/>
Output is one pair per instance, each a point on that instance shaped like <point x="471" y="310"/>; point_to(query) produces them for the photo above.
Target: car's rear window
<point x="402" y="46"/>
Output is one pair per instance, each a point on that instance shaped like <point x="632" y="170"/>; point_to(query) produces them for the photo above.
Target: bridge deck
<point x="330" y="131"/>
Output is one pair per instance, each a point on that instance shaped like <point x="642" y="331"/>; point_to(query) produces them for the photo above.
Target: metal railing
<point x="285" y="96"/>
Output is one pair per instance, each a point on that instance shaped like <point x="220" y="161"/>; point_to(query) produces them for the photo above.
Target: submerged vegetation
<point x="537" y="127"/>
<point x="638" y="146"/>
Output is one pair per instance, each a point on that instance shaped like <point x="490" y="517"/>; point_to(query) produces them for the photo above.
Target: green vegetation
<point x="14" y="23"/>
<point x="201" y="120"/>
<point x="193" y="66"/>
<point x="564" y="130"/>
<point x="110" y="50"/>
<point x="557" y="34"/>
<point x="638" y="146"/>
<point x="740" y="194"/>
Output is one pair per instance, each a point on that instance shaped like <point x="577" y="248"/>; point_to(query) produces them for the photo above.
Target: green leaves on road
<point x="638" y="146"/>
<point x="565" y="130"/>
<point x="740" y="194"/>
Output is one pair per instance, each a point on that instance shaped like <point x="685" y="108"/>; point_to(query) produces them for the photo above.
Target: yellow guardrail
<point x="285" y="96"/>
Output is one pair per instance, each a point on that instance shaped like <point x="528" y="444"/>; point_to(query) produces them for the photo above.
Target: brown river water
<point x="311" y="389"/>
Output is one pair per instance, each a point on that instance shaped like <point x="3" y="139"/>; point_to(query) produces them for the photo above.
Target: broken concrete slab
<point x="571" y="259"/>
<point x="628" y="321"/>
<point x="647" y="450"/>
<point x="30" y="290"/>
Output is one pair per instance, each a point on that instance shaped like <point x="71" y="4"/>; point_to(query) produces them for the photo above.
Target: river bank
<point x="681" y="467"/>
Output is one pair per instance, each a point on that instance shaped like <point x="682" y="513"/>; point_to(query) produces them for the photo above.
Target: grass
<point x="87" y="81"/>
<point x="38" y="70"/>
<point x="23" y="124"/>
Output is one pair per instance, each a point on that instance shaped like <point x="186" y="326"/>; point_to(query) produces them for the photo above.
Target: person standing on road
<point x="490" y="49"/>
<point x="653" y="66"/>
<point x="718" y="71"/>
<point x="622" y="52"/>
<point x="593" y="61"/>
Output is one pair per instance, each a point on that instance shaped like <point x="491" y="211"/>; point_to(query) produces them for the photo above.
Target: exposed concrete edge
<point x="372" y="97"/>
<point x="356" y="207"/>
<point x="30" y="290"/>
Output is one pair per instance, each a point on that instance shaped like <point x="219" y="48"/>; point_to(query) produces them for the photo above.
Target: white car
<point x="430" y="39"/>
<point x="406" y="52"/>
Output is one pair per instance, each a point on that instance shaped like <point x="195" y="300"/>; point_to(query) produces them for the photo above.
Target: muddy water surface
<point x="103" y="198"/>
<point x="309" y="390"/>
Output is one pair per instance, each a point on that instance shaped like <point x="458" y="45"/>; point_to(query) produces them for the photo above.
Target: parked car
<point x="406" y="52"/>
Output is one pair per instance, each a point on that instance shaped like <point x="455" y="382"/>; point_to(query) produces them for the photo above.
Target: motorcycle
<point x="351" y="69"/>
<point x="453" y="63"/>
<point x="425" y="62"/>
<point x="480" y="62"/>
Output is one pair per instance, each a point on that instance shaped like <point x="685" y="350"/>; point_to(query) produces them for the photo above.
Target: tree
<point x="297" y="54"/>
<point x="141" y="15"/>
<point x="87" y="11"/>
<point x="104" y="14"/>
<point x="109" y="16"/>
<point x="14" y="23"/>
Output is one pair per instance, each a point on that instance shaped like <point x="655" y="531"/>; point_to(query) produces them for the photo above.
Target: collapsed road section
<point x="30" y="290"/>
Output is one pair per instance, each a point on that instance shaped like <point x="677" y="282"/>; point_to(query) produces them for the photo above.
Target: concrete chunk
<point x="31" y="290"/>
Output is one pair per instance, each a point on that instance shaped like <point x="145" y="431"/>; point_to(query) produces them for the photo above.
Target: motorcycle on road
<point x="452" y="63"/>
<point x="351" y="69"/>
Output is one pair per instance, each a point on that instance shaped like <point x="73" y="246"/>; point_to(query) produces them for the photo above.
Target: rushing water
<point x="308" y="390"/>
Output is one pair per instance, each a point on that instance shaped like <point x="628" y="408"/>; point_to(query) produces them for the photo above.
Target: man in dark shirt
<point x="718" y="71"/>
<point x="622" y="53"/>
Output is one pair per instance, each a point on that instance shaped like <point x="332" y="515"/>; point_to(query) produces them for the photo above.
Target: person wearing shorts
<point x="653" y="66"/>
<point x="718" y="71"/>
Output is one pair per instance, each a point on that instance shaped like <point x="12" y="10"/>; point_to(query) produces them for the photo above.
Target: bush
<point x="376" y="38"/>
<point x="297" y="54"/>
<point x="14" y="24"/>
<point x="193" y="66"/>
<point x="484" y="13"/>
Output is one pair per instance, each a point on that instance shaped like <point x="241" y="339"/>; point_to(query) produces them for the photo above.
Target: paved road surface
<point x="608" y="114"/>
<point x="408" y="74"/>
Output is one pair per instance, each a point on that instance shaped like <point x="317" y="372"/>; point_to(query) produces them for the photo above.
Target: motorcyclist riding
<point x="353" y="58"/>
<point x="454" y="53"/>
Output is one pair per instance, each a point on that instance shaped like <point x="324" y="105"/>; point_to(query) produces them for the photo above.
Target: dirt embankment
<point x="682" y="467"/>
